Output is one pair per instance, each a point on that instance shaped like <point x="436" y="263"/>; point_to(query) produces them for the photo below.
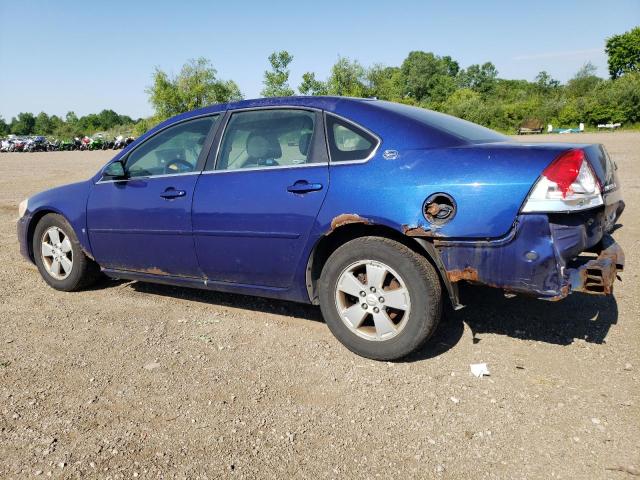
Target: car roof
<point x="385" y="119"/>
<point x="329" y="103"/>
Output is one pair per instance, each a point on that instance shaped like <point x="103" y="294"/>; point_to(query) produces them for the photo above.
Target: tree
<point x="347" y="79"/>
<point x="42" y="124"/>
<point x="479" y="78"/>
<point x="23" y="124"/>
<point x="4" y="127"/>
<point x="385" y="82"/>
<point x="71" y="118"/>
<point x="624" y="53"/>
<point x="427" y="77"/>
<point x="194" y="87"/>
<point x="584" y="81"/>
<point x="276" y="81"/>
<point x="311" y="86"/>
<point x="55" y="124"/>
<point x="545" y="83"/>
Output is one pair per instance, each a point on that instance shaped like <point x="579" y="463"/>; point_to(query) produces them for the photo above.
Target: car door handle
<point x="171" y="192"/>
<point x="303" y="186"/>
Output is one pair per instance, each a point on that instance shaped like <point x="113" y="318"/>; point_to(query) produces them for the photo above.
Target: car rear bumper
<point x="546" y="256"/>
<point x="597" y="275"/>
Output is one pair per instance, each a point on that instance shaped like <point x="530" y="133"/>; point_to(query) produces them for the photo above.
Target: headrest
<point x="261" y="147"/>
<point x="304" y="143"/>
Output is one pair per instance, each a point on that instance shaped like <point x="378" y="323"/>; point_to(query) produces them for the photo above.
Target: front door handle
<point x="302" y="186"/>
<point x="171" y="193"/>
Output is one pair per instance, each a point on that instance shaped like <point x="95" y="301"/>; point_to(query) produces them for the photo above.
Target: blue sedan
<point x="373" y="210"/>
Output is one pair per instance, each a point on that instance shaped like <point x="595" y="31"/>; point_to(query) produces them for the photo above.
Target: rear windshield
<point x="467" y="131"/>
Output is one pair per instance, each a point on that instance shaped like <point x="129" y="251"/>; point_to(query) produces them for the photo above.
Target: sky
<point x="88" y="56"/>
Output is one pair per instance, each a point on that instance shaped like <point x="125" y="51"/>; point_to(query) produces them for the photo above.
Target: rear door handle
<point x="171" y="193"/>
<point x="302" y="186"/>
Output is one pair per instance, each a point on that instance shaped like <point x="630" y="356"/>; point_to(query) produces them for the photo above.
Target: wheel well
<point x="341" y="235"/>
<point x="32" y="228"/>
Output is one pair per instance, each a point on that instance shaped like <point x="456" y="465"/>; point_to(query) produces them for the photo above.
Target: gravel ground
<point x="136" y="380"/>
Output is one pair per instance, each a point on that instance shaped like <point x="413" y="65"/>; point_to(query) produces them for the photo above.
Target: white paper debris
<point x="479" y="369"/>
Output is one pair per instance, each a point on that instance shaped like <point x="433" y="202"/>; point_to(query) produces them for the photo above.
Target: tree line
<point x="423" y="79"/>
<point x="70" y="126"/>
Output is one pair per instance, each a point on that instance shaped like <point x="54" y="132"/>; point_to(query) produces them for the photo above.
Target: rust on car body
<point x="86" y="252"/>
<point x="468" y="273"/>
<point x="418" y="231"/>
<point x="564" y="293"/>
<point x="149" y="270"/>
<point x="598" y="275"/>
<point x="433" y="209"/>
<point x="154" y="271"/>
<point x="347" y="218"/>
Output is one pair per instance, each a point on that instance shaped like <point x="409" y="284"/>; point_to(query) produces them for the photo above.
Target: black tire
<point x="421" y="281"/>
<point x="84" y="271"/>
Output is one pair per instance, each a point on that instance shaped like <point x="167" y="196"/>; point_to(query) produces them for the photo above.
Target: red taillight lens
<point x="568" y="184"/>
<point x="565" y="169"/>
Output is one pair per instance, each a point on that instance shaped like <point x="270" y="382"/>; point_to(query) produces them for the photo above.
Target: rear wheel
<point x="381" y="299"/>
<point x="59" y="257"/>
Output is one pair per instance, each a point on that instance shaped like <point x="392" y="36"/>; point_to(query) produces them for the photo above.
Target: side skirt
<point x="202" y="284"/>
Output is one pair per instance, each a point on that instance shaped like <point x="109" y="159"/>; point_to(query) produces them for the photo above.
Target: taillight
<point x="567" y="184"/>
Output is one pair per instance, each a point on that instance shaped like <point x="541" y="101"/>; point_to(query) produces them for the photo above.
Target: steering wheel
<point x="178" y="166"/>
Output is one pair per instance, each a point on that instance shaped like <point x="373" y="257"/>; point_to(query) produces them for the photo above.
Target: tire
<point x="83" y="271"/>
<point x="409" y="277"/>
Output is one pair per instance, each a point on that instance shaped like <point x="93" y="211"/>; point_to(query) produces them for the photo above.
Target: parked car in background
<point x="373" y="210"/>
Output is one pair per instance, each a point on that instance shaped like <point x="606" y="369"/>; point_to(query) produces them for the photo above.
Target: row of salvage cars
<point x="373" y="210"/>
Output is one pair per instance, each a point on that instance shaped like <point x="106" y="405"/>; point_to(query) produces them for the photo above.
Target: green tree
<point x="71" y="118"/>
<point x="43" y="124"/>
<point x="194" y="87"/>
<point x="347" y="79"/>
<point x="385" y="83"/>
<point x="55" y="123"/>
<point x="311" y="86"/>
<point x="624" y="53"/>
<point x="428" y="78"/>
<point x="276" y="81"/>
<point x="584" y="81"/>
<point x="545" y="83"/>
<point x="24" y="124"/>
<point x="4" y="127"/>
<point x="479" y="78"/>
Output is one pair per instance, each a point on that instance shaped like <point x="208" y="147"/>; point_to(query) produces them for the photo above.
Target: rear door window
<point x="268" y="138"/>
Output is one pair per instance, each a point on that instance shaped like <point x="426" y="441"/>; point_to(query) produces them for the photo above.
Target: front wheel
<point x="59" y="257"/>
<point x="381" y="299"/>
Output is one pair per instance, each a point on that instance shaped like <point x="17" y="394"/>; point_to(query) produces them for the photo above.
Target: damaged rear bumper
<point x="546" y="256"/>
<point x="598" y="275"/>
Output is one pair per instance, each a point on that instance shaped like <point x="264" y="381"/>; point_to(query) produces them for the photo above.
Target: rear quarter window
<point x="348" y="142"/>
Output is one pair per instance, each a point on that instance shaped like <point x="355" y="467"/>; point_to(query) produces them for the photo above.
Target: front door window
<point x="174" y="150"/>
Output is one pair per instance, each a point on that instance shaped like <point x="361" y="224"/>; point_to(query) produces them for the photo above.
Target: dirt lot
<point x="136" y="380"/>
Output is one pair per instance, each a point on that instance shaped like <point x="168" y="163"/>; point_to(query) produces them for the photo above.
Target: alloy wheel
<point x="372" y="300"/>
<point x="57" y="254"/>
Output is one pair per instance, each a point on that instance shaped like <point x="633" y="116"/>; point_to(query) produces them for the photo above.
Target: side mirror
<point x="115" y="170"/>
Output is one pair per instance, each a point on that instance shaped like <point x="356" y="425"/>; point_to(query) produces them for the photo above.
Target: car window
<point x="348" y="142"/>
<point x="174" y="150"/>
<point x="463" y="129"/>
<point x="267" y="138"/>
